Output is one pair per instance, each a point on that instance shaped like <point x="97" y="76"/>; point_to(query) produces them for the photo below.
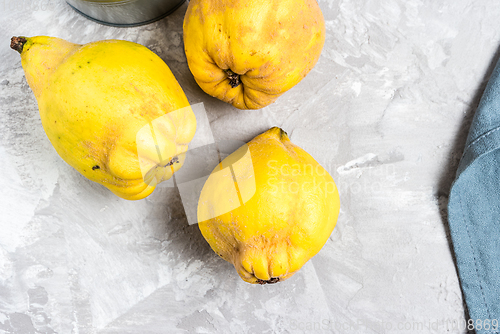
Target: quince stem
<point x="270" y="281"/>
<point x="234" y="79"/>
<point x="17" y="43"/>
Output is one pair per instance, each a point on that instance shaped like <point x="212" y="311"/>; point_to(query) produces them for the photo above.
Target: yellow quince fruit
<point x="249" y="52"/>
<point x="268" y="208"/>
<point x="112" y="109"/>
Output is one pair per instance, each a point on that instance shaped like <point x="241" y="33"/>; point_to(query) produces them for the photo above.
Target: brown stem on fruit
<point x="172" y="161"/>
<point x="269" y="281"/>
<point x="17" y="43"/>
<point x="234" y="79"/>
<point x="283" y="133"/>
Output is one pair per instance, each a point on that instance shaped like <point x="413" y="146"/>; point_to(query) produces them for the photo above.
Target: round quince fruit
<point x="249" y="52"/>
<point x="268" y="208"/>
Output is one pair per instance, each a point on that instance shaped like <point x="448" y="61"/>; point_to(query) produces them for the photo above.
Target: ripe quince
<point x="249" y="52"/>
<point x="112" y="109"/>
<point x="268" y="208"/>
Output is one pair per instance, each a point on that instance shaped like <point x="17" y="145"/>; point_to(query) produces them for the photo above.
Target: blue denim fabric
<point x="474" y="212"/>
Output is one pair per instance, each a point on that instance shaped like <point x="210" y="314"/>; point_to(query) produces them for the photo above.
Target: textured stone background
<point x="386" y="111"/>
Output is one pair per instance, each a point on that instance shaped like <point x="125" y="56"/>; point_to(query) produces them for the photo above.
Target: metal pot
<point x="125" y="13"/>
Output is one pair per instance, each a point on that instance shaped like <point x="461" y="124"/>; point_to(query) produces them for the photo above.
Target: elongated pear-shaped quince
<point x="249" y="52"/>
<point x="268" y="208"/>
<point x="112" y="110"/>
